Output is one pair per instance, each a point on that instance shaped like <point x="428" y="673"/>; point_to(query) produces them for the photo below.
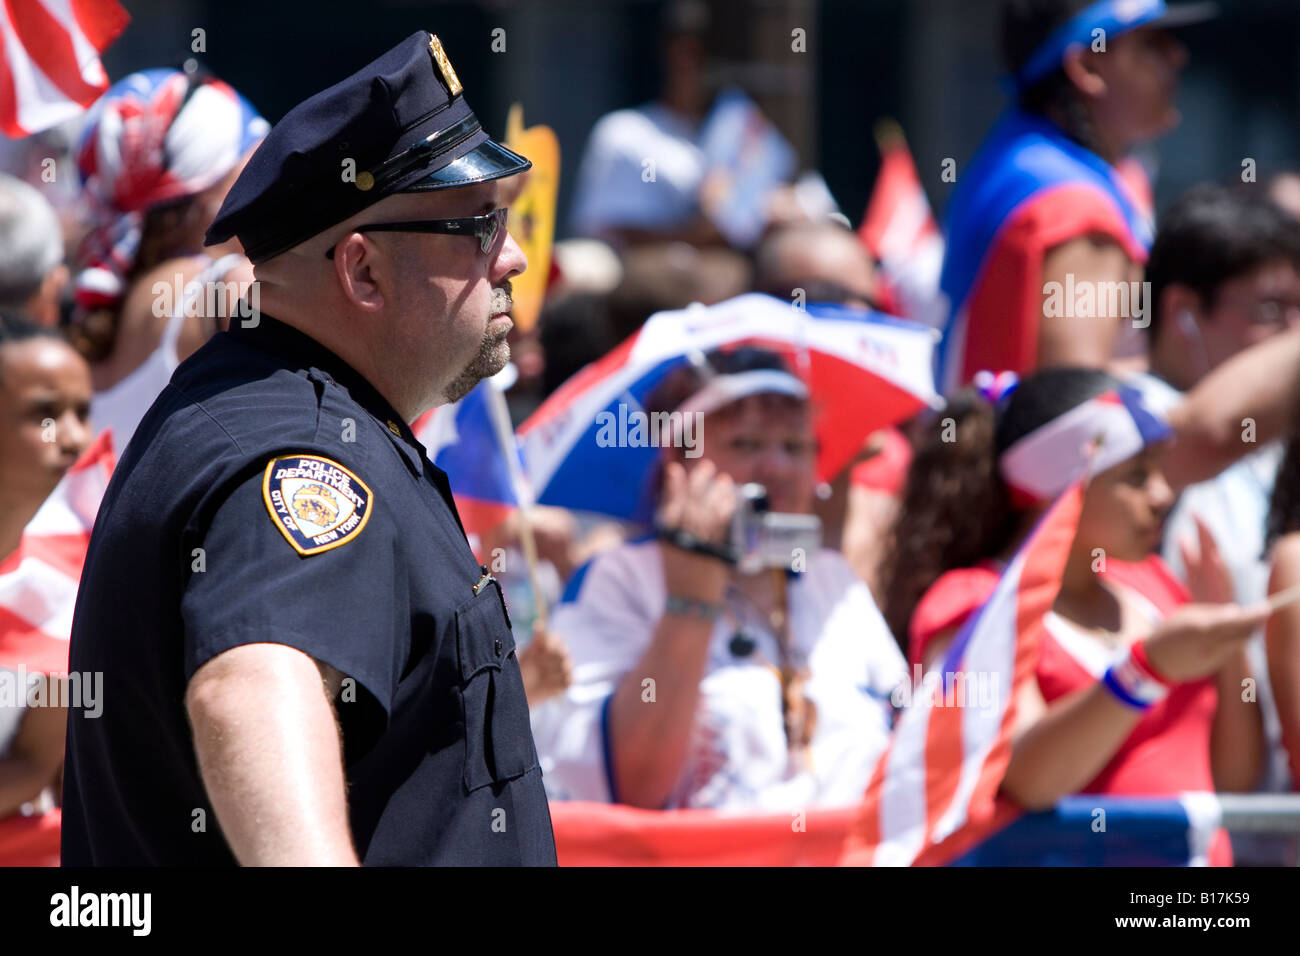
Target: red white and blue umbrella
<point x="864" y="370"/>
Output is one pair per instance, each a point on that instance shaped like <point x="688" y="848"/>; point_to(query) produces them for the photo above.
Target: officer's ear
<point x="355" y="261"/>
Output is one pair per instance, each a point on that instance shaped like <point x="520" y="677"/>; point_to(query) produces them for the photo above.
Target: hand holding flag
<point x="545" y="664"/>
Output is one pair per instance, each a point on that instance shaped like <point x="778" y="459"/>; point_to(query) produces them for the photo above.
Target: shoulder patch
<point x="316" y="503"/>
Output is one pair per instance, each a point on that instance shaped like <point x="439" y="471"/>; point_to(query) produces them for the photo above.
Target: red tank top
<point x="1168" y="751"/>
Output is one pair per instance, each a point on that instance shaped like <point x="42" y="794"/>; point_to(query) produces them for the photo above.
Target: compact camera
<point x="762" y="538"/>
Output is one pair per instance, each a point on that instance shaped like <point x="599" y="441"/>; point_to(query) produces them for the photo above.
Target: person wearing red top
<point x="1047" y="202"/>
<point x="1138" y="688"/>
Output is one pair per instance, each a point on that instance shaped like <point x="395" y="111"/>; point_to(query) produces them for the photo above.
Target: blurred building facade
<point x="931" y="64"/>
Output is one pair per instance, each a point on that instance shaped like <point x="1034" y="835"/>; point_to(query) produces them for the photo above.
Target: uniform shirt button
<point x="392" y="427"/>
<point x="497" y="647"/>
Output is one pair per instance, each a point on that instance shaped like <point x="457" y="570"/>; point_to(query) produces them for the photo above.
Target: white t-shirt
<point x="738" y="754"/>
<point x="642" y="169"/>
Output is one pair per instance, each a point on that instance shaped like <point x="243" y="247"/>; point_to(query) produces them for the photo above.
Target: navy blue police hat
<point x="400" y="124"/>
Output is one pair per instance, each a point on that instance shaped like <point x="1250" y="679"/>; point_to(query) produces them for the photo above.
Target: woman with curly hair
<point x="980" y="481"/>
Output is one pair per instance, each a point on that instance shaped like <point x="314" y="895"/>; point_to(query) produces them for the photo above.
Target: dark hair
<point x="956" y="510"/>
<point x="689" y="18"/>
<point x="814" y="290"/>
<point x="94" y="333"/>
<point x="16" y="328"/>
<point x="683" y="382"/>
<point x="1025" y="25"/>
<point x="574" y="330"/>
<point x="1213" y="234"/>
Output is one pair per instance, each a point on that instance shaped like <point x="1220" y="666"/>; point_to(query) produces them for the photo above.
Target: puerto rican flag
<point x="934" y="792"/>
<point x="49" y="59"/>
<point x="462" y="440"/>
<point x="899" y="230"/>
<point x="38" y="582"/>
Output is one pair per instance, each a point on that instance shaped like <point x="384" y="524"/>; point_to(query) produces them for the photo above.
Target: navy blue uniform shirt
<point x="272" y="495"/>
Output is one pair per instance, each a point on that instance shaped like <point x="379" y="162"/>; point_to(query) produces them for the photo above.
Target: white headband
<point x="725" y="389"/>
<point x="1093" y="436"/>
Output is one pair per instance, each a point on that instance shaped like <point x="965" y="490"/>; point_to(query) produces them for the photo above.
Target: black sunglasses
<point x="485" y="228"/>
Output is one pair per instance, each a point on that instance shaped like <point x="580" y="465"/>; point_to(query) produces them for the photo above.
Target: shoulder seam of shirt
<point x="212" y="418"/>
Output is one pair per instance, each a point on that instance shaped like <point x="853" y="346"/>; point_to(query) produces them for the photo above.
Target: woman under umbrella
<point x="697" y="682"/>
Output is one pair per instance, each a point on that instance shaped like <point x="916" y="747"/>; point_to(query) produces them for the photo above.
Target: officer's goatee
<point x="493" y="351"/>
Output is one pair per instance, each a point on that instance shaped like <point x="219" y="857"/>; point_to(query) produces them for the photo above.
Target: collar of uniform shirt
<point x="305" y="352"/>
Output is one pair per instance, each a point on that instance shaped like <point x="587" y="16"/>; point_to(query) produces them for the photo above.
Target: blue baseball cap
<point x="1114" y="17"/>
<point x="399" y="124"/>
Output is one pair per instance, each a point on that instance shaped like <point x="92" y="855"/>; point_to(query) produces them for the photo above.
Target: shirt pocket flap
<point x="498" y="735"/>
<point x="483" y="638"/>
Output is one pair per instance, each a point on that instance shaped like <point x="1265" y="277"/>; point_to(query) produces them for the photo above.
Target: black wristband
<point x="686" y="541"/>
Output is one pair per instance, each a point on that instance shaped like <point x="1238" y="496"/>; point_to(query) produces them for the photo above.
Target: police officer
<point x="302" y="662"/>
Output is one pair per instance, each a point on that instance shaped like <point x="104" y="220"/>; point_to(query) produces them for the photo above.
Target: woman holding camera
<point x="697" y="683"/>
